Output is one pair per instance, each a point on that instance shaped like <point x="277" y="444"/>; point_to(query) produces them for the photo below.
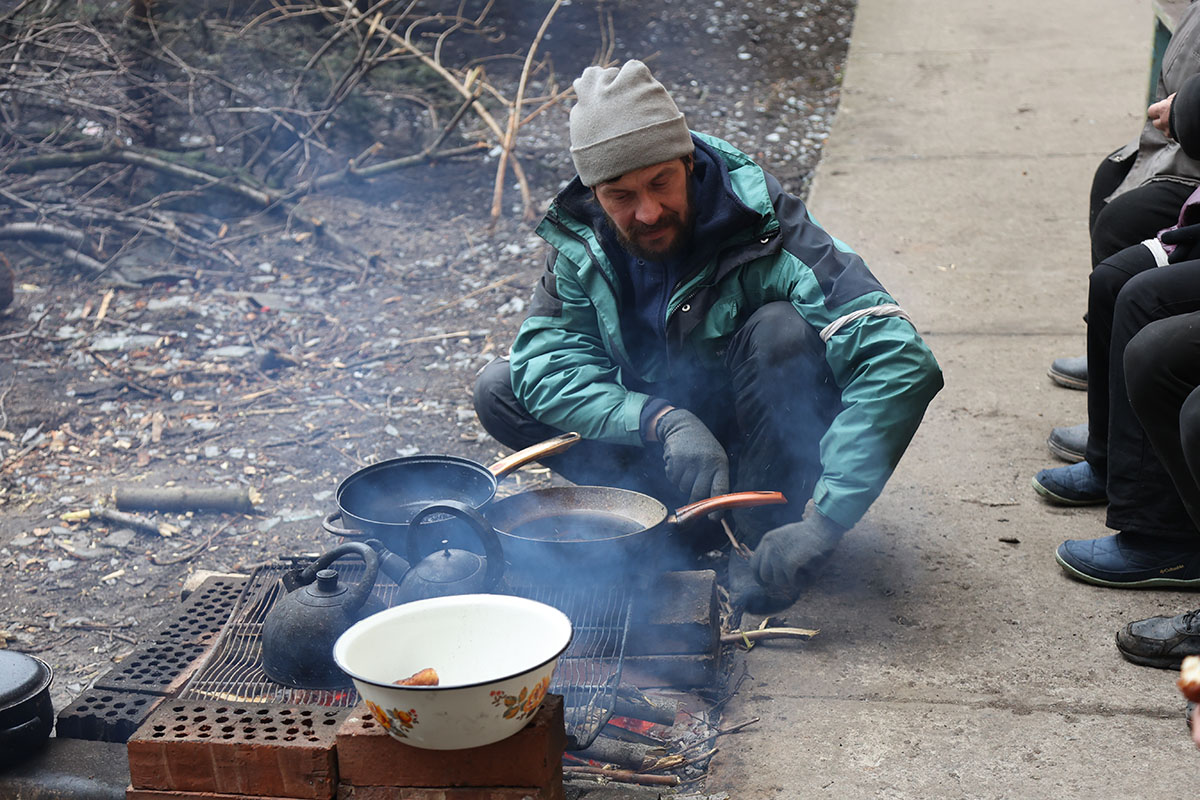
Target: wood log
<point x="624" y="754"/>
<point x="238" y="499"/>
<point x="633" y="703"/>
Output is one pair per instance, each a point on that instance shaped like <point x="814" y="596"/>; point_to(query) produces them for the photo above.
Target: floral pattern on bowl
<point x="394" y="721"/>
<point x="523" y="704"/>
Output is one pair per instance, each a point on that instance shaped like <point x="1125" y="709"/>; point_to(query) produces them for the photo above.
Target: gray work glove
<point x="695" y="460"/>
<point x="789" y="557"/>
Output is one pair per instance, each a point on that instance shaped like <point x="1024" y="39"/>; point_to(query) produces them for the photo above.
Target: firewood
<point x="633" y="703"/>
<point x="623" y="775"/>
<point x="623" y="754"/>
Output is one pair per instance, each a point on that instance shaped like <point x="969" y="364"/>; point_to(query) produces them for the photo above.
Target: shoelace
<point x="1190" y="621"/>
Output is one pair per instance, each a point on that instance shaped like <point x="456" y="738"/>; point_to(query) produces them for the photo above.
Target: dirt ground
<point x="288" y="375"/>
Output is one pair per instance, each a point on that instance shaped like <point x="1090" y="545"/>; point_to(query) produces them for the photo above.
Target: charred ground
<point x="345" y="328"/>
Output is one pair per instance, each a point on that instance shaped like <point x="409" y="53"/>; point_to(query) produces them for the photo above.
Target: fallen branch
<point x="746" y="637"/>
<point x="22" y="334"/>
<point x="163" y="529"/>
<point x="238" y="499"/>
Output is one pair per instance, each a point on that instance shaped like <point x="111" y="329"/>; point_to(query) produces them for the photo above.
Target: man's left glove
<point x="788" y="557"/>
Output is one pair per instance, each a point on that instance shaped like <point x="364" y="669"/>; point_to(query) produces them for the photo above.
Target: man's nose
<point x="648" y="210"/>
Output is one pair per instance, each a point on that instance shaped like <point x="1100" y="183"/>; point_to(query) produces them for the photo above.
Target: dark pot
<point x="26" y="713"/>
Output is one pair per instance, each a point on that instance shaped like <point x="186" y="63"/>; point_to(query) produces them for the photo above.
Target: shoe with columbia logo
<point x="1133" y="561"/>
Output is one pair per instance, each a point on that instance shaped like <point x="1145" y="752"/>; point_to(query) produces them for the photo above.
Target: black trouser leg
<point x="786" y="399"/>
<point x="1133" y="216"/>
<point x="1162" y="371"/>
<point x="1104" y="284"/>
<point x="1141" y="495"/>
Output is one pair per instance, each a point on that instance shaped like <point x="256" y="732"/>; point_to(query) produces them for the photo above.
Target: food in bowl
<point x="495" y="657"/>
<point x="426" y="677"/>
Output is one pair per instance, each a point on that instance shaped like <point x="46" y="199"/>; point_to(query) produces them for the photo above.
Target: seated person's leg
<point x="1157" y="543"/>
<point x="1084" y="483"/>
<point x="1136" y="215"/>
<point x="1142" y="496"/>
<point x="1162" y="371"/>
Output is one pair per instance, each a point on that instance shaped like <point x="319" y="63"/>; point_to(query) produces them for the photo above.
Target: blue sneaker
<point x="1132" y="561"/>
<point x="1071" y="485"/>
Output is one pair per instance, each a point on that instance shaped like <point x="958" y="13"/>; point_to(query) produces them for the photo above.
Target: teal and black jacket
<point x="573" y="369"/>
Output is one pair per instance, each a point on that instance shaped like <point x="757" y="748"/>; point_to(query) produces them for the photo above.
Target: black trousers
<point x="1134" y="215"/>
<point x="1126" y="293"/>
<point x="769" y="405"/>
<point x="1162" y="369"/>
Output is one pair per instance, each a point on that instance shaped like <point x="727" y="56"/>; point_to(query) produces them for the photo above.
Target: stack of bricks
<point x="227" y="751"/>
<point x="527" y="766"/>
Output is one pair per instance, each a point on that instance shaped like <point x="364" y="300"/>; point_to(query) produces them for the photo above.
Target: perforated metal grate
<point x="587" y="675"/>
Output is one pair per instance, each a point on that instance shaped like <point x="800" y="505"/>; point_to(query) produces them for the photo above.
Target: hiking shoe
<point x="1161" y="641"/>
<point x="1072" y="485"/>
<point x="1069" y="372"/>
<point x="1132" y="561"/>
<point x="1069" y="442"/>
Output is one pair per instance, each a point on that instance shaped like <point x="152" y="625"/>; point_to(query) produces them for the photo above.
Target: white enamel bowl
<point x="494" y="655"/>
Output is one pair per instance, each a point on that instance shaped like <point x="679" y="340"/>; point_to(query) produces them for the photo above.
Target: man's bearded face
<point x="651" y="209"/>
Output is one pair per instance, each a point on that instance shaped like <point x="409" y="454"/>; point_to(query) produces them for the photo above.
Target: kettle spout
<point x="390" y="564"/>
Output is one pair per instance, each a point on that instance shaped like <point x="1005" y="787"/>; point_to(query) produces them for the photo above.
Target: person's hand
<point x="1185" y="240"/>
<point x="1160" y="115"/>
<point x="789" y="557"/>
<point x="696" y="462"/>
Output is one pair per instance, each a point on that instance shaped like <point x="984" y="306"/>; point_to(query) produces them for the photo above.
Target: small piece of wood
<point x="238" y="499"/>
<point x="623" y="775"/>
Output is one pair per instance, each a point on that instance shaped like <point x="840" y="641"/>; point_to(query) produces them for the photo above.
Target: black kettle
<point x="443" y="570"/>
<point x="300" y="629"/>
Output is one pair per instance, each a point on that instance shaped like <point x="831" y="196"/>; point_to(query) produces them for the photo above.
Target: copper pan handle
<point x="723" y="501"/>
<point x="520" y="458"/>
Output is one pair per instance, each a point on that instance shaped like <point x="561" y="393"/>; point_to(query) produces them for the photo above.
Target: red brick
<point x="367" y="756"/>
<point x="238" y="749"/>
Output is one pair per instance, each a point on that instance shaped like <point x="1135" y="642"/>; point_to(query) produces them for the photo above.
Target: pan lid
<point x="21" y="677"/>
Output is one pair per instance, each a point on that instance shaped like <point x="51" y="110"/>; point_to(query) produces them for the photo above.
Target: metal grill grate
<point x="587" y="674"/>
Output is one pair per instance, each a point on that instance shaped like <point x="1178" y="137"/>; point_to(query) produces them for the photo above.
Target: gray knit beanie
<point x="624" y="120"/>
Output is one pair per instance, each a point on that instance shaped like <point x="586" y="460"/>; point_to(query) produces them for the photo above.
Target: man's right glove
<point x="695" y="460"/>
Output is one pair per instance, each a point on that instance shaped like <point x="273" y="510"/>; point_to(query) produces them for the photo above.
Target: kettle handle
<point x="356" y="595"/>
<point x="492" y="550"/>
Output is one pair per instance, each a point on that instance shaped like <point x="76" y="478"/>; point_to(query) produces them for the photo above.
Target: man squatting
<point x="699" y="329"/>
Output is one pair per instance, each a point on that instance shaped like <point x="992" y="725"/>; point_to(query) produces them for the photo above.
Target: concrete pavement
<point x="955" y="659"/>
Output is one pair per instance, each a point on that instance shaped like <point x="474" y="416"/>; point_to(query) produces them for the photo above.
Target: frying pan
<point x="379" y="501"/>
<point x="597" y="528"/>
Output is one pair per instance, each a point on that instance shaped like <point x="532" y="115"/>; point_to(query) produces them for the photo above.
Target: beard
<point x="681" y="227"/>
